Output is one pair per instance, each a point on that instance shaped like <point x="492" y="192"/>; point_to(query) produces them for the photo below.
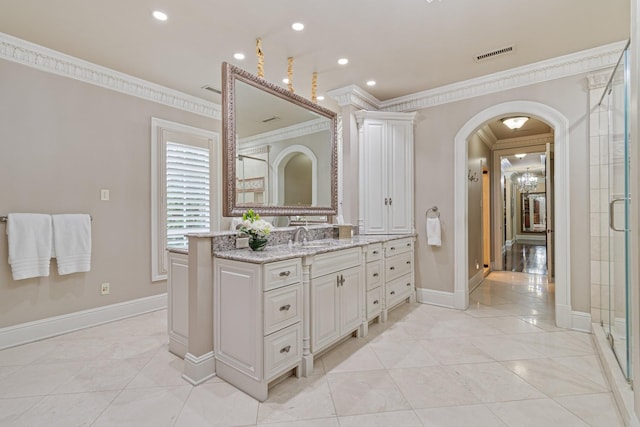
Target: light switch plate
<point x="104" y="194"/>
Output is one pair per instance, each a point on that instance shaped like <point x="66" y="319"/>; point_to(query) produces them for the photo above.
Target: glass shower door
<point x="615" y="146"/>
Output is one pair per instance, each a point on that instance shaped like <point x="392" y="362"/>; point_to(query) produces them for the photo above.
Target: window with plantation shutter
<point x="187" y="196"/>
<point x="184" y="195"/>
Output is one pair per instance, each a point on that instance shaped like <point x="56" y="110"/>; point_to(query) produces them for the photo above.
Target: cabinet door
<point x="351" y="299"/>
<point x="324" y="310"/>
<point x="400" y="177"/>
<point x="373" y="180"/>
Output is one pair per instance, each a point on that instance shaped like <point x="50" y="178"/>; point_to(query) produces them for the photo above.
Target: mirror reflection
<point x="280" y="149"/>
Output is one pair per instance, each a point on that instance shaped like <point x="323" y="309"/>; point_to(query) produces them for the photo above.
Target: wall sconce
<point x="473" y="177"/>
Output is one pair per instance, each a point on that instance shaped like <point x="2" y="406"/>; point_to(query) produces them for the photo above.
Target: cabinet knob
<point x="285" y="349"/>
<point x="285" y="307"/>
<point x="408" y="245"/>
<point x="392" y="293"/>
<point x="285" y="273"/>
<point x="375" y="302"/>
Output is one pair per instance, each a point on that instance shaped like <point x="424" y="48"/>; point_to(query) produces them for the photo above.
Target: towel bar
<point x="434" y="211"/>
<point x="5" y="218"/>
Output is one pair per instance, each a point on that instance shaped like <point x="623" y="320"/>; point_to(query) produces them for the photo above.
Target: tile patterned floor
<point x="500" y="363"/>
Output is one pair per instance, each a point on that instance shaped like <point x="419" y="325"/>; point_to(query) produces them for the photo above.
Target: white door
<point x="399" y="177"/>
<point x="351" y="292"/>
<point x="324" y="310"/>
<point x="374" y="183"/>
<point x="549" y="171"/>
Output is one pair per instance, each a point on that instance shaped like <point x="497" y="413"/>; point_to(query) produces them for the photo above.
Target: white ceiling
<point x="405" y="45"/>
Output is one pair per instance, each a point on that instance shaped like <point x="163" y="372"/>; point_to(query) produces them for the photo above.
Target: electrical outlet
<point x="104" y="289"/>
<point x="104" y="194"/>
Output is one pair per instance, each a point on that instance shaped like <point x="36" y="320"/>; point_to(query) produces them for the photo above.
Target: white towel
<point x="72" y="242"/>
<point x="433" y="232"/>
<point x="29" y="237"/>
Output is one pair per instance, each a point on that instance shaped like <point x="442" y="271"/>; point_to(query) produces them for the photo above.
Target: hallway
<point x="525" y="257"/>
<point x="500" y="363"/>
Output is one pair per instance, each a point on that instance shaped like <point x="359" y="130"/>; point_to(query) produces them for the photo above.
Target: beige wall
<point x="435" y="132"/>
<point x="61" y="142"/>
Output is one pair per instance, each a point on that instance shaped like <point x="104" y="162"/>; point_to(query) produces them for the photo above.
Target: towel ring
<point x="434" y="212"/>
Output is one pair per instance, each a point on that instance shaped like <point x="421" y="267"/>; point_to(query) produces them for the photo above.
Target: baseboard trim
<point x="439" y="298"/>
<point x="581" y="321"/>
<point x="198" y="369"/>
<point x="46" y="328"/>
<point x="564" y="317"/>
<point x="476" y="280"/>
<point x="621" y="390"/>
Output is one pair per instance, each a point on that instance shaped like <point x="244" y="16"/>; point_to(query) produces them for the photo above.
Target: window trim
<point x="159" y="261"/>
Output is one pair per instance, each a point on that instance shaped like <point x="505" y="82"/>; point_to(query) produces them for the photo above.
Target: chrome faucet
<point x="298" y="232"/>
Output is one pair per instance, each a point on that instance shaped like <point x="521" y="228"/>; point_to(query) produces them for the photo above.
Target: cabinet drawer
<point x="398" y="246"/>
<point x="282" y="350"/>
<point x="282" y="273"/>
<point x="374" y="252"/>
<point x="331" y="262"/>
<point x="374" y="302"/>
<point x="282" y="307"/>
<point x="398" y="265"/>
<point x="398" y="290"/>
<point x="374" y="273"/>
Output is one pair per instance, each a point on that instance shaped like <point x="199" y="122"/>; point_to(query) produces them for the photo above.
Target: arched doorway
<point x="560" y="124"/>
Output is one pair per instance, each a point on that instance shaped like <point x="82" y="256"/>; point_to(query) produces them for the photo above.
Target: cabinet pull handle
<point x="408" y="244"/>
<point x="375" y="274"/>
<point x="392" y="293"/>
<point x="386" y="201"/>
<point x="285" y="349"/>
<point x="375" y="252"/>
<point x="408" y="262"/>
<point x="285" y="307"/>
<point x="285" y="273"/>
<point x="390" y="201"/>
<point x="375" y="302"/>
<point x="393" y="248"/>
<point x="341" y="280"/>
<point x="337" y="281"/>
<point x="392" y="268"/>
<point x="408" y="284"/>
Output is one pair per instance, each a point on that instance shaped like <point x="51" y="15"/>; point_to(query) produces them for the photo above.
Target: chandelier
<point x="527" y="182"/>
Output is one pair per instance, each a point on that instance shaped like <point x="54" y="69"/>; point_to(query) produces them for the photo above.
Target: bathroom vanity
<point x="275" y="310"/>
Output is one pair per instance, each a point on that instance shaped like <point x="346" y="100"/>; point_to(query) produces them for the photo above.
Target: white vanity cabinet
<point x="399" y="272"/>
<point x="337" y="296"/>
<point x="257" y="322"/>
<point x="178" y="302"/>
<point x="386" y="172"/>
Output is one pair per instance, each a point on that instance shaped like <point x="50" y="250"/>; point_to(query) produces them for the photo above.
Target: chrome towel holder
<point x="435" y="213"/>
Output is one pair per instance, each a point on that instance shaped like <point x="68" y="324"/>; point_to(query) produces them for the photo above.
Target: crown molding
<point x="35" y="56"/>
<point x="586" y="61"/>
<point x="355" y="96"/>
<point x="283" y="134"/>
<point x="487" y="136"/>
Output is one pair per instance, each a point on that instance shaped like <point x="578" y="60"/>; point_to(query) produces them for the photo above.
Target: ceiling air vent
<point x="494" y="53"/>
<point x="212" y="89"/>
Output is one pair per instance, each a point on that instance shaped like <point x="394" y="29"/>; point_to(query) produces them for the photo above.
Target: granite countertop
<point x="313" y="247"/>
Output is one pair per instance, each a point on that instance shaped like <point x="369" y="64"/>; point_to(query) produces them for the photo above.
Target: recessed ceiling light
<point x="297" y="26"/>
<point x="160" y="16"/>
<point x="239" y="56"/>
<point x="343" y="61"/>
<point x="285" y="81"/>
<point x="320" y="98"/>
<point x="371" y="83"/>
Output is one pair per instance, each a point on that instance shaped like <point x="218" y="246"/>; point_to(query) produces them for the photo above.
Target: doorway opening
<point x="560" y="232"/>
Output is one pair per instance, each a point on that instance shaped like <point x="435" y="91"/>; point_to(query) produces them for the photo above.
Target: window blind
<point x="187" y="192"/>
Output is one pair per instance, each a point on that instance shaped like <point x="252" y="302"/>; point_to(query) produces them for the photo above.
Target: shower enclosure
<point x="614" y="201"/>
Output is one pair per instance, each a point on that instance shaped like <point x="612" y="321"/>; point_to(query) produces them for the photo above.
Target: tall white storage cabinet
<point x="386" y="172"/>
